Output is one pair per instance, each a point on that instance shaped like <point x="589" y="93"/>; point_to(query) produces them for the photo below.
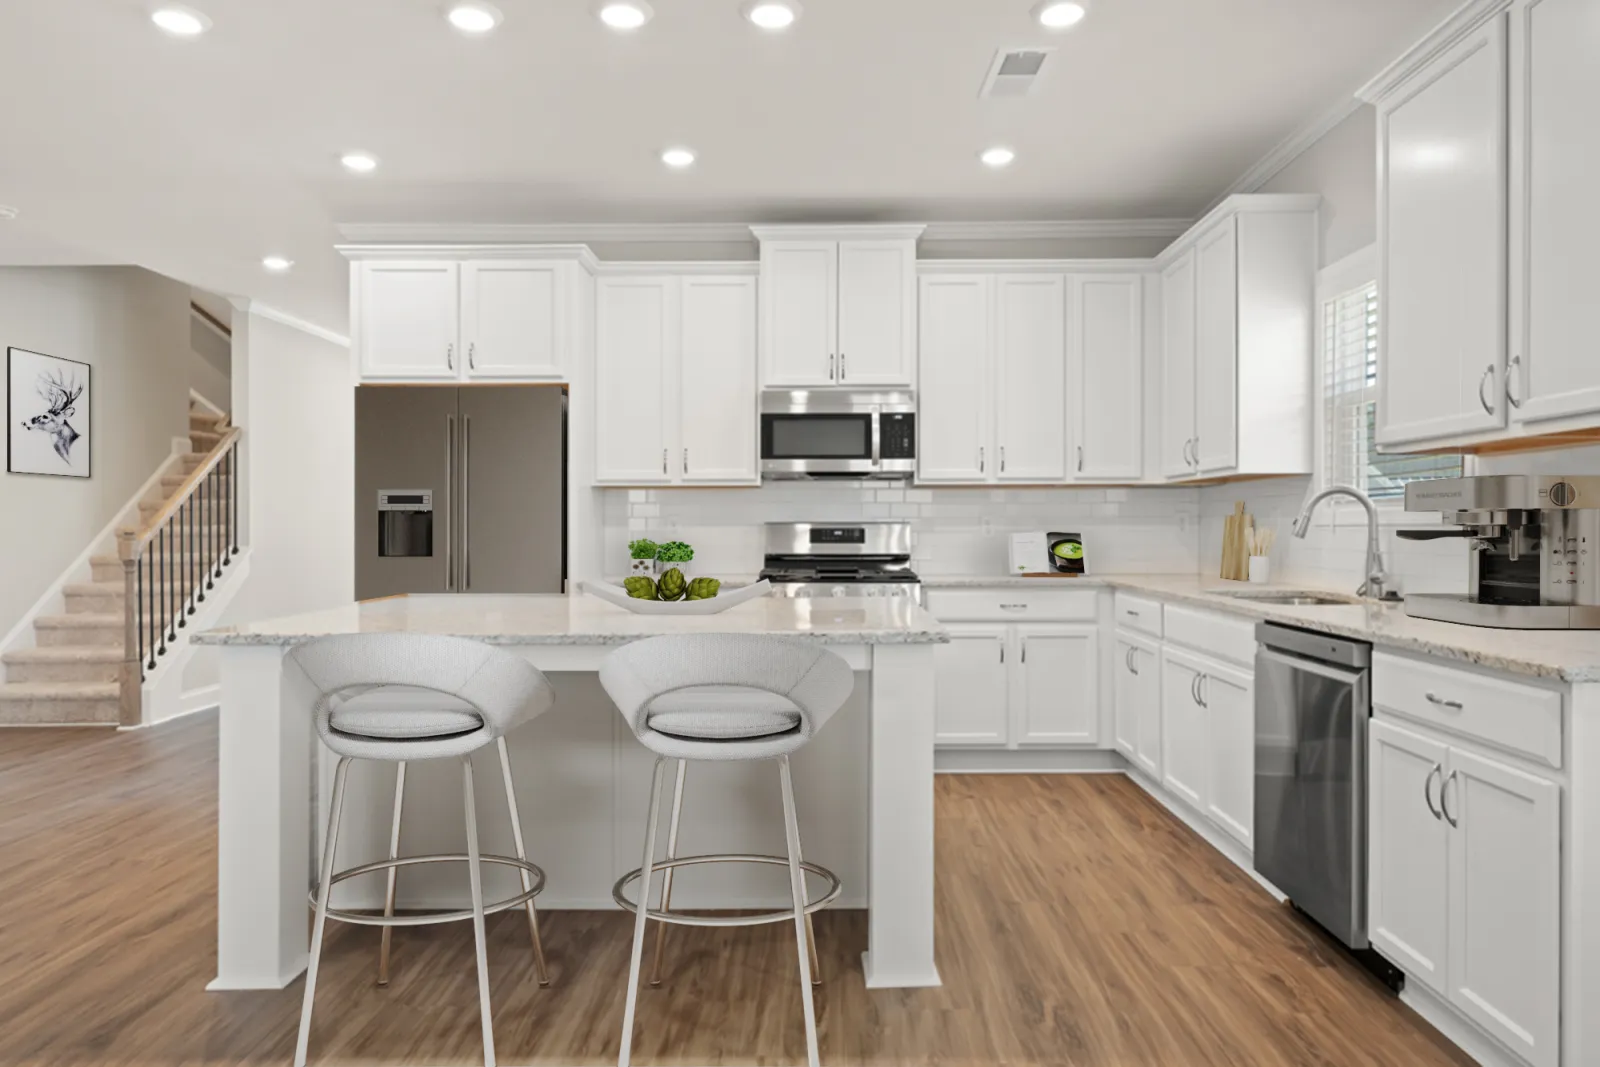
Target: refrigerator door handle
<point x="466" y="502"/>
<point x="450" y="497"/>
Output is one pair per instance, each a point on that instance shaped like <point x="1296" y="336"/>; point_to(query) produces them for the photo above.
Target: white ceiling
<point x="195" y="158"/>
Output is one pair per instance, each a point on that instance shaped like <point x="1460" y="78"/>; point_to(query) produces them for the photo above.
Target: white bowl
<point x="717" y="604"/>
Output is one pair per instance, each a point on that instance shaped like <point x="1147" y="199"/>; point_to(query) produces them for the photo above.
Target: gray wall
<point x="1343" y="167"/>
<point x="132" y="327"/>
<point x="210" y="363"/>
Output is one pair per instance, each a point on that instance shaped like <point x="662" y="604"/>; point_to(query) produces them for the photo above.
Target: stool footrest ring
<point x="682" y="919"/>
<point x="364" y="918"/>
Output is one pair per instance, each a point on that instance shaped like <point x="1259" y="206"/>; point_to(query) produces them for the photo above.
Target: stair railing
<point x="170" y="562"/>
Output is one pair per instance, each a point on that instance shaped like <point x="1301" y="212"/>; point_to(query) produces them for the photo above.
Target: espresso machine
<point x="1534" y="539"/>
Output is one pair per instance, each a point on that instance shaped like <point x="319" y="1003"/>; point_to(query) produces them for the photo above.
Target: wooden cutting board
<point x="1236" y="530"/>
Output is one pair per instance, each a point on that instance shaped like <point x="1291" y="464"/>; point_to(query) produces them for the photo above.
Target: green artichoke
<point x="671" y="586"/>
<point x="703" y="588"/>
<point x="640" y="587"/>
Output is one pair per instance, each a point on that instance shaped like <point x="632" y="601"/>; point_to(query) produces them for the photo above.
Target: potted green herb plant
<point x="643" y="552"/>
<point x="672" y="585"/>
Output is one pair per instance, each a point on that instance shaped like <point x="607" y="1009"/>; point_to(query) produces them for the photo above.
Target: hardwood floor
<point x="1079" y="924"/>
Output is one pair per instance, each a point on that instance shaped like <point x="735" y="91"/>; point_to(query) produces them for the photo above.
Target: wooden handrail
<point x="134" y="541"/>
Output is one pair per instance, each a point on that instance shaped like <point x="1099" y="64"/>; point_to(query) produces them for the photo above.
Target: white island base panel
<point x="864" y="789"/>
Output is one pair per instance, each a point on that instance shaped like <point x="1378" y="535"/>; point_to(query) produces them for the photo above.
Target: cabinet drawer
<point x="1509" y="715"/>
<point x="1224" y="636"/>
<point x="1013" y="605"/>
<point x="1139" y="613"/>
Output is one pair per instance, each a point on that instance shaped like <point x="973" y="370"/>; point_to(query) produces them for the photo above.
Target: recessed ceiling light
<point x="475" y="18"/>
<point x="772" y="14"/>
<point x="277" y="264"/>
<point x="359" y="162"/>
<point x="1060" y="14"/>
<point x="180" y="21"/>
<point x="997" y="157"/>
<point x="677" y="158"/>
<point x="625" y="14"/>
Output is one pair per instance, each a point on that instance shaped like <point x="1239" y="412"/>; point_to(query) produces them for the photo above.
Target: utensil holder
<point x="1261" y="569"/>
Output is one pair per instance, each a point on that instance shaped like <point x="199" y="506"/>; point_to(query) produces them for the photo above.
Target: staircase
<point x="75" y="673"/>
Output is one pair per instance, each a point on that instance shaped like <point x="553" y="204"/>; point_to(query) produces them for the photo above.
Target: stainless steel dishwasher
<point x="1313" y="703"/>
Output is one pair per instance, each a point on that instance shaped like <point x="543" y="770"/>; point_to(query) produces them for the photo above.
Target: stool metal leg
<point x="394" y="872"/>
<point x="475" y="875"/>
<point x="811" y="931"/>
<point x="797" y="884"/>
<point x="324" y="889"/>
<point x="642" y="915"/>
<point x="666" y="875"/>
<point x="527" y="879"/>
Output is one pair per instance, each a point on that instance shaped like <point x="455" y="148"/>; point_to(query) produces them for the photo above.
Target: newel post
<point x="131" y="676"/>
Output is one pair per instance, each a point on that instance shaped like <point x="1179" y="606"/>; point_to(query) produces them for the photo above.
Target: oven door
<point x="802" y="444"/>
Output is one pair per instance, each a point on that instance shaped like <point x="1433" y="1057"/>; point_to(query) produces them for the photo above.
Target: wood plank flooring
<point x="1080" y="925"/>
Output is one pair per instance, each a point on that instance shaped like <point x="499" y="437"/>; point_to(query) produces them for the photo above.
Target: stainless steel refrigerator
<point x="460" y="489"/>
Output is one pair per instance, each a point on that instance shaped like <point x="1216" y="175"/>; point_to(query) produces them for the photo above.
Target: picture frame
<point x="49" y="415"/>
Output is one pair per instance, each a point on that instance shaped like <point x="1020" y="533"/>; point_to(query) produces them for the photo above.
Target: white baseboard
<point x="1465" y="1035"/>
<point x="195" y="701"/>
<point x="1027" y="761"/>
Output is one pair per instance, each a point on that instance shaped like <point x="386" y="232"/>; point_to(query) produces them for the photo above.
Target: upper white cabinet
<point x="1105" y="361"/>
<point x="1030" y="365"/>
<point x="838" y="306"/>
<point x="956" y="378"/>
<point x="449" y="316"/>
<point x="1441" y="240"/>
<point x="1237" y="340"/>
<point x="675" y="365"/>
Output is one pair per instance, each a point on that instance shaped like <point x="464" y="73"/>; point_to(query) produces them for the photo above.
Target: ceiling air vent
<point x="1014" y="72"/>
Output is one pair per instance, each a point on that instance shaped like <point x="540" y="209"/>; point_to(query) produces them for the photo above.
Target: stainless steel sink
<point x="1289" y="599"/>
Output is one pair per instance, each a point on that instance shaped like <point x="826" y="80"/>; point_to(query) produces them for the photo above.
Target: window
<point x="1350" y="397"/>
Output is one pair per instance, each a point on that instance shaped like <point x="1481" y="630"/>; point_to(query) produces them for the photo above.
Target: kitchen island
<point x="864" y="786"/>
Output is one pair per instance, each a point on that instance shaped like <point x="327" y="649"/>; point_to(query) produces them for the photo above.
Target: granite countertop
<point x="581" y="619"/>
<point x="1568" y="655"/>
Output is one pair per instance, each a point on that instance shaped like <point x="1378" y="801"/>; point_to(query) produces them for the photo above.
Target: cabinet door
<point x="1442" y="246"/>
<point x="799" y="312"/>
<point x="877" y="312"/>
<point x="1407" y="841"/>
<point x="409" y="320"/>
<point x="1505" y="903"/>
<point x="1183" y="728"/>
<point x="1030" y="348"/>
<point x="1106" y="351"/>
<point x="717" y="382"/>
<point x="511" y="319"/>
<point x="955" y="371"/>
<point x="1126" y="692"/>
<point x="970" y="680"/>
<point x="1177" y="367"/>
<point x="1216" y="349"/>
<point x="1057" y="698"/>
<point x="1555" y="153"/>
<point x="1228" y="698"/>
<point x="635" y="379"/>
<point x="1137" y="670"/>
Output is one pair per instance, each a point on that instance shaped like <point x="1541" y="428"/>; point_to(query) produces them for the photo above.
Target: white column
<point x="900" y="835"/>
<point x="263" y="819"/>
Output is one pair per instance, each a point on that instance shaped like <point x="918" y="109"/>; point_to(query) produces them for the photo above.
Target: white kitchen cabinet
<point x="1407" y="873"/>
<point x="1442" y="244"/>
<point x="1227" y="696"/>
<point x="1138" y="702"/>
<point x="972" y="684"/>
<point x="407" y="319"/>
<point x="954" y="403"/>
<point x="1185" y="747"/>
<point x="1030" y="350"/>
<point x="1216" y="287"/>
<point x="1178" y="367"/>
<point x="1555" y="153"/>
<point x="1057" y="697"/>
<point x="511" y="319"/>
<point x="838" y="309"/>
<point x="1105" y="357"/>
<point x="676" y="374"/>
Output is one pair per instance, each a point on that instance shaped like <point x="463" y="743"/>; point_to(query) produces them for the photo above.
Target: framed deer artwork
<point x="47" y="414"/>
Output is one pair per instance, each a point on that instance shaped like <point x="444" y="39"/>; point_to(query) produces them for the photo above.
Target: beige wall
<point x="132" y="327"/>
<point x="210" y="363"/>
<point x="1343" y="167"/>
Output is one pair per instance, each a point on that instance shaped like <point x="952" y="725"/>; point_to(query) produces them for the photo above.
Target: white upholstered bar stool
<point x="724" y="697"/>
<point x="403" y="697"/>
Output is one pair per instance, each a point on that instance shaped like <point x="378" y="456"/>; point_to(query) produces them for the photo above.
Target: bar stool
<point x="724" y="697"/>
<point x="402" y="697"/>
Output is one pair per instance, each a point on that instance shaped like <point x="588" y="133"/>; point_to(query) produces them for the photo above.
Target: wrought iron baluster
<point x="149" y="554"/>
<point x="138" y="608"/>
<point x="233" y="493"/>
<point x="180" y="565"/>
<point x="168" y="631"/>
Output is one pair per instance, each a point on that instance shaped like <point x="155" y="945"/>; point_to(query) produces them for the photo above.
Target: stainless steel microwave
<point x="838" y="433"/>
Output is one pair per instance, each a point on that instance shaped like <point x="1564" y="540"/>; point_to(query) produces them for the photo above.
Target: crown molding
<point x="1290" y="148"/>
<point x="283" y="318"/>
<point x="541" y="233"/>
<point x="1461" y="22"/>
<point x="576" y="253"/>
<point x="930" y="268"/>
<point x="826" y="231"/>
<point x="678" y="268"/>
<point x="1054" y="229"/>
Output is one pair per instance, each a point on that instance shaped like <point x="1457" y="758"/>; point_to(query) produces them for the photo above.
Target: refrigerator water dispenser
<point x="405" y="522"/>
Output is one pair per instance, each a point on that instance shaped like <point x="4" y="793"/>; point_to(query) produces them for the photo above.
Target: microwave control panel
<point x="898" y="436"/>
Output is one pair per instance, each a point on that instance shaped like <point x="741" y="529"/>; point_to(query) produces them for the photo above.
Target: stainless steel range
<point x="807" y="559"/>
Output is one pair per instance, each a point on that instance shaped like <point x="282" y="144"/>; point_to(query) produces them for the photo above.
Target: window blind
<point x="1350" y="397"/>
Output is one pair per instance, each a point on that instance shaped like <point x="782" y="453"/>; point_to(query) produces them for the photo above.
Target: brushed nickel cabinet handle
<point x="1024" y="650"/>
<point x="450" y="356"/>
<point x="472" y="356"/>
<point x="1444" y="799"/>
<point x="1511" y="368"/>
<point x="686" y="462"/>
<point x="1488" y="372"/>
<point x="1002" y="459"/>
<point x="1427" y="797"/>
<point x="980" y="459"/>
<point x="831" y="371"/>
<point x="841" y="366"/>
<point x="1438" y="701"/>
<point x="663" y="461"/>
<point x="1194" y="689"/>
<point x="1080" y="459"/>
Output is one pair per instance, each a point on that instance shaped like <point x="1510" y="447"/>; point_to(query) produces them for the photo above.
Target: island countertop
<point x="580" y="619"/>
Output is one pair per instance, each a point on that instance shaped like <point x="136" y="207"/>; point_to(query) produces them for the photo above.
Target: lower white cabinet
<point x="1138" y="702"/>
<point x="1208" y="739"/>
<point x="1018" y="686"/>
<point x="1183" y="727"/>
<point x="1464" y="859"/>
